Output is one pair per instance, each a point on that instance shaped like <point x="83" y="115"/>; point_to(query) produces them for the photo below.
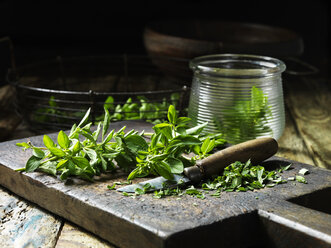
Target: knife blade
<point x="256" y="150"/>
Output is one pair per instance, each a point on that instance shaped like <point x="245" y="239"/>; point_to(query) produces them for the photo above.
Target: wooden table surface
<point x="307" y="139"/>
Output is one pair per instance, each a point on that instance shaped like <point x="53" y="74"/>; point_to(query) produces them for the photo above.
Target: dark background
<point x="43" y="29"/>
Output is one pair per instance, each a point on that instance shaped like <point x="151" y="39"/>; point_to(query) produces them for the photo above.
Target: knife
<point x="256" y="150"/>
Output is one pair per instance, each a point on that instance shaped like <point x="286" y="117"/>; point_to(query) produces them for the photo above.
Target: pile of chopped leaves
<point x="235" y="177"/>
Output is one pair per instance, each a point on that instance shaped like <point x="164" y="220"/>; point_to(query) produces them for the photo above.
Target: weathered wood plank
<point x="289" y="225"/>
<point x="25" y="225"/>
<point x="291" y="144"/>
<point x="72" y="236"/>
<point x="309" y="100"/>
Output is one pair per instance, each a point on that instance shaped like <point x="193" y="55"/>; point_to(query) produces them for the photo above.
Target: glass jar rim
<point x="265" y="65"/>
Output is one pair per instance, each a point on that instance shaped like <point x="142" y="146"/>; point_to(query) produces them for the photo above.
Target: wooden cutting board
<point x="288" y="215"/>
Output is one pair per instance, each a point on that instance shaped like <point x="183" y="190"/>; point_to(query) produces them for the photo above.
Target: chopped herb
<point x="133" y="195"/>
<point x="195" y="192"/>
<point x="236" y="177"/>
<point x="111" y="187"/>
<point x="168" y="192"/>
<point x="243" y="177"/>
<point x="216" y="194"/>
<point x="139" y="191"/>
<point x="300" y="179"/>
<point x="284" y="168"/>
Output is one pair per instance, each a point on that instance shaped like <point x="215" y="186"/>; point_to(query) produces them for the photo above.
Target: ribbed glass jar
<point x="239" y="95"/>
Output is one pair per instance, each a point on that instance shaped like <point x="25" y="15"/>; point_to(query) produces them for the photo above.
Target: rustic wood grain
<point x="309" y="100"/>
<point x="291" y="144"/>
<point x="147" y="222"/>
<point x="25" y="225"/>
<point x="72" y="236"/>
<point x="288" y="225"/>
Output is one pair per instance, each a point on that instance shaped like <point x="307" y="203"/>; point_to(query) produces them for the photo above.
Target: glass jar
<point x="239" y="95"/>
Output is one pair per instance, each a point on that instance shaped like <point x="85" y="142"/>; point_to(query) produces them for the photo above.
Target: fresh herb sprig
<point x="85" y="158"/>
<point x="81" y="153"/>
<point x="165" y="154"/>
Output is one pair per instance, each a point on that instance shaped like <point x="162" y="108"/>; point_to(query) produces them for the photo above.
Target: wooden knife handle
<point x="256" y="150"/>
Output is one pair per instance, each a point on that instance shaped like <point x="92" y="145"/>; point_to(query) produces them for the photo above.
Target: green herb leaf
<point x="38" y="153"/>
<point x="48" y="142"/>
<point x="111" y="187"/>
<point x="176" y="165"/>
<point x="63" y="140"/>
<point x="72" y="130"/>
<point x="139" y="191"/>
<point x="106" y="122"/>
<point x="48" y="167"/>
<point x="61" y="164"/>
<point x="136" y="143"/>
<point x="165" y="129"/>
<point x="285" y="168"/>
<point x="172" y="115"/>
<point x="182" y="140"/>
<point x="24" y="145"/>
<point x="81" y="162"/>
<point x="64" y="175"/>
<point x="163" y="169"/>
<point x="300" y="179"/>
<point x="196" y="129"/>
<point x="88" y="136"/>
<point x="183" y="120"/>
<point x="194" y="192"/>
<point x="92" y="154"/>
<point x="97" y="132"/>
<point x="87" y="114"/>
<point x="134" y="173"/>
<point x="32" y="164"/>
<point x="104" y="164"/>
<point x="207" y="146"/>
<point x="56" y="151"/>
<point x="76" y="147"/>
<point x="108" y="137"/>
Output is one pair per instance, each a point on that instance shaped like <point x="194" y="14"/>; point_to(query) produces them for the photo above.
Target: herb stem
<point x="148" y="134"/>
<point x="48" y="160"/>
